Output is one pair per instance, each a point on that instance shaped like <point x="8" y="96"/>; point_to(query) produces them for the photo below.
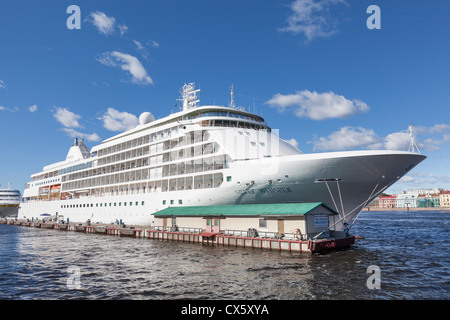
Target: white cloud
<point x="397" y="141"/>
<point x="67" y="118"/>
<point x="33" y="108"/>
<point x="128" y="63"/>
<point x="138" y="44"/>
<point x="70" y="120"/>
<point x="2" y="84"/>
<point x="348" y="138"/>
<point x="115" y="120"/>
<point x="439" y="128"/>
<point x="293" y="143"/>
<point x="318" y="106"/>
<point x="407" y="179"/>
<point x="141" y="49"/>
<point x="9" y="109"/>
<point x="76" y="134"/>
<point x="154" y="43"/>
<point x="312" y="18"/>
<point x="416" y="180"/>
<point x="433" y="136"/>
<point x="122" y="29"/>
<point x="103" y="23"/>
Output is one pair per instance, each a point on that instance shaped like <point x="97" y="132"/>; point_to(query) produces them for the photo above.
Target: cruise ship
<point x="202" y="156"/>
<point x="9" y="202"/>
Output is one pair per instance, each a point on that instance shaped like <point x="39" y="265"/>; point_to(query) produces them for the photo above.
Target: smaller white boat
<point x="9" y="202"/>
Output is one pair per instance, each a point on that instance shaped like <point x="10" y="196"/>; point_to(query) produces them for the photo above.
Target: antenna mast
<point x="232" y="103"/>
<point x="412" y="143"/>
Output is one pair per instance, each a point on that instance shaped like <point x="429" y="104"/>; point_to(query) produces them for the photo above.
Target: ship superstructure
<point x="204" y="155"/>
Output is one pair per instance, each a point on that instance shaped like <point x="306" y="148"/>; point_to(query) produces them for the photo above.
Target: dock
<point x="196" y="236"/>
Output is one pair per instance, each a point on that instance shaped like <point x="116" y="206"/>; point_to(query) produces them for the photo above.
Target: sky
<point x="330" y="75"/>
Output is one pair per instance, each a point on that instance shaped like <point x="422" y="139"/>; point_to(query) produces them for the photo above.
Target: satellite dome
<point x="145" y="118"/>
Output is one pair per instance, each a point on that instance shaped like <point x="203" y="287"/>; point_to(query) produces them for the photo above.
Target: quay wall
<point x="219" y="239"/>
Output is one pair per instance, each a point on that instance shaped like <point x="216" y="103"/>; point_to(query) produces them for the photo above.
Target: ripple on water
<point x="412" y="252"/>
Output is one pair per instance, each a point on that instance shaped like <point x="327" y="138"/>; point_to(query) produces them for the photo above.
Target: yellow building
<point x="444" y="199"/>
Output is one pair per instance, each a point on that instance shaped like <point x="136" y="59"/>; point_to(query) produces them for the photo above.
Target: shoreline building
<point x="406" y="200"/>
<point x="417" y="198"/>
<point x="387" y="202"/>
<point x="425" y="191"/>
<point x="444" y="199"/>
<point x="428" y="201"/>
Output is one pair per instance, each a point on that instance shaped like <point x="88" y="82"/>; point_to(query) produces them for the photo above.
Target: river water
<point x="410" y="250"/>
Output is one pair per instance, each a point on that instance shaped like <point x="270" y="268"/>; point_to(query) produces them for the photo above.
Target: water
<point x="410" y="248"/>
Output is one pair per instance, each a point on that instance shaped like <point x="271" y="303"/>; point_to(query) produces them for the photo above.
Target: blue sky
<point x="312" y="68"/>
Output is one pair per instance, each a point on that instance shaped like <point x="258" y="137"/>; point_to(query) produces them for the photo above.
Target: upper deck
<point x="198" y="141"/>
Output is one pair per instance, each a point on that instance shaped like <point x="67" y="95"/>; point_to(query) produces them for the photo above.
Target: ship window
<point x="142" y="203"/>
<point x="164" y="201"/>
<point x="120" y="204"/>
<point x="228" y="178"/>
<point x="114" y="204"/>
<point x="96" y="204"/>
<point x="180" y="201"/>
<point x="171" y="201"/>
<point x="262" y="144"/>
<point x="124" y="204"/>
<point x="131" y="203"/>
<point x="253" y="143"/>
<point x="241" y="133"/>
<point x="136" y="202"/>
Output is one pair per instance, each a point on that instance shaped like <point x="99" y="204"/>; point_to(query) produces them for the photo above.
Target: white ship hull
<point x="200" y="156"/>
<point x="358" y="178"/>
